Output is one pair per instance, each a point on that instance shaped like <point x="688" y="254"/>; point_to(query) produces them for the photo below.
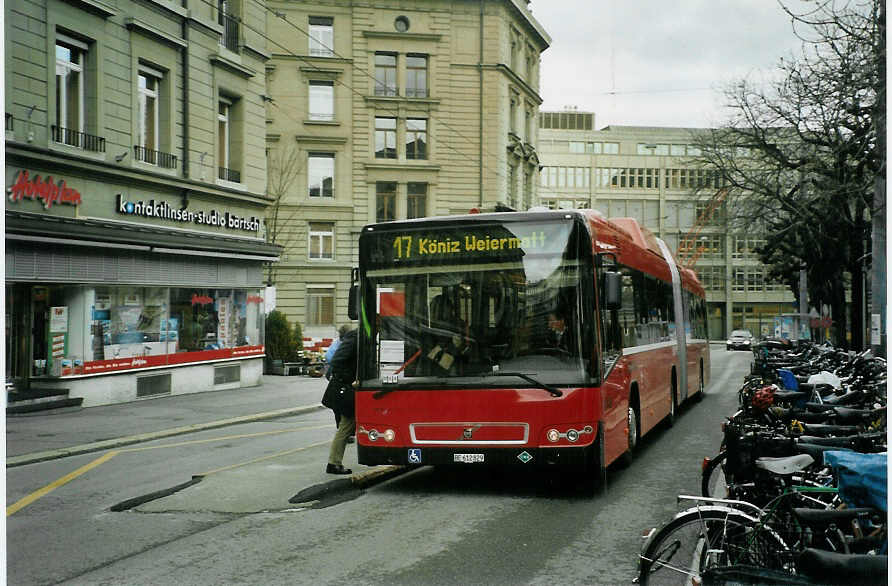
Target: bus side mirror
<point x="612" y="290"/>
<point x="352" y="302"/>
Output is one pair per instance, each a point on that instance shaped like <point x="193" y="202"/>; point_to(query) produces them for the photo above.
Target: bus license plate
<point x="467" y="458"/>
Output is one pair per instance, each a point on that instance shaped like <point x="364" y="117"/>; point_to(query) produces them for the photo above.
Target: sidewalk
<point x="48" y="435"/>
<point x="260" y="486"/>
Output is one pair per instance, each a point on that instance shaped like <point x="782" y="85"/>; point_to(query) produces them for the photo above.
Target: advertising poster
<point x="59" y="319"/>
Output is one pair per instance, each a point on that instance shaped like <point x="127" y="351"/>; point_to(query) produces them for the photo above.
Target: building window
<point x="322" y="100"/>
<point x="320" y="173"/>
<point x="512" y="113"/>
<point x="321" y="36"/>
<point x="225" y="160"/>
<point x="385" y="74"/>
<point x="229" y="22"/>
<point x="676" y="150"/>
<point x="385" y="138"/>
<point x="320" y="306"/>
<point x="416" y="76"/>
<point x="149" y="97"/>
<point x="70" y="58"/>
<point x="512" y="185"/>
<point x="321" y="240"/>
<point x="416" y="138"/>
<point x="577" y="147"/>
<point x="416" y="200"/>
<point x="385" y="198"/>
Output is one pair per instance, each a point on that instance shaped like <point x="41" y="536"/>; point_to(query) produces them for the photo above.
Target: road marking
<point x="40" y="493"/>
<point x="37" y="494"/>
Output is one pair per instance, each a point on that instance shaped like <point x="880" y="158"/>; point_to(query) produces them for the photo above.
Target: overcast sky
<point x="666" y="61"/>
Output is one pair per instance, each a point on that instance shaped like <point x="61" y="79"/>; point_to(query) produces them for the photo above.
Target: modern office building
<point x="136" y="193"/>
<point x="385" y="110"/>
<point x="646" y="173"/>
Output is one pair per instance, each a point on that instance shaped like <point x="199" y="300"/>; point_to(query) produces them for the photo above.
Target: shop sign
<point x="201" y="299"/>
<point x="149" y="361"/>
<point x="164" y="211"/>
<point x="24" y="186"/>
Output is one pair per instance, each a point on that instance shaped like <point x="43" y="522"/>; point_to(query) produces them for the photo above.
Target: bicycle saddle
<point x="840" y="568"/>
<point x="785" y="465"/>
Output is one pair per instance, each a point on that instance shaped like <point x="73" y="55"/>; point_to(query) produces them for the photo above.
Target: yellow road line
<point x="37" y="494"/>
<point x="54" y="485"/>
<point x="269" y="457"/>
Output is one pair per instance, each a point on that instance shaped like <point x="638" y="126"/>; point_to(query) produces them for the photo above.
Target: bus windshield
<point x="461" y="304"/>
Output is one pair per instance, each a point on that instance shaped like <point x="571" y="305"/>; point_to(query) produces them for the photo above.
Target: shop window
<point x="94" y="330"/>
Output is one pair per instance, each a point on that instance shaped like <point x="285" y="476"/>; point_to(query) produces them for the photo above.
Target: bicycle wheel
<point x="704" y="538"/>
<point x="713" y="482"/>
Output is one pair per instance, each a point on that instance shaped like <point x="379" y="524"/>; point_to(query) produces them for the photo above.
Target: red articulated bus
<point x="550" y="338"/>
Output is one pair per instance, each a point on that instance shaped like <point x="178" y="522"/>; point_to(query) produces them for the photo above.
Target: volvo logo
<point x="467" y="433"/>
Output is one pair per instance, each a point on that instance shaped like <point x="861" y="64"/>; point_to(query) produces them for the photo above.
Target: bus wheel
<point x="633" y="435"/>
<point x="673" y="405"/>
<point x="594" y="473"/>
<point x="701" y="388"/>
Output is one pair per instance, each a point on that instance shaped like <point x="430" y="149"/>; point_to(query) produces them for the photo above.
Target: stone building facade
<point x="386" y="110"/>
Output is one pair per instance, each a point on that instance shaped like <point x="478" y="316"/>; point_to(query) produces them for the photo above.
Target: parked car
<point x="740" y="340"/>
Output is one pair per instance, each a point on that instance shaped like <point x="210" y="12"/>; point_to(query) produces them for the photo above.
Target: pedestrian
<point x="329" y="355"/>
<point x="339" y="397"/>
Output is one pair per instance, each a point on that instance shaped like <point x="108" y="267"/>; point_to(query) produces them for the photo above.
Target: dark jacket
<point x="344" y="362"/>
<point x="339" y="395"/>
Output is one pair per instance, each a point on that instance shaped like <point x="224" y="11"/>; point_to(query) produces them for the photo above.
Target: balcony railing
<point x="229" y="38"/>
<point x="81" y="140"/>
<point x="229" y="175"/>
<point x="386" y="90"/>
<point x="417" y="92"/>
<point x="163" y="160"/>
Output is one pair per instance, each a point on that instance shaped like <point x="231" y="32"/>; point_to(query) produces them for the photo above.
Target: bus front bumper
<point x="470" y="455"/>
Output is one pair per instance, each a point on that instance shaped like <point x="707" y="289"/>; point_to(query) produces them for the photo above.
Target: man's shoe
<point x="337" y="469"/>
<point x="351" y="439"/>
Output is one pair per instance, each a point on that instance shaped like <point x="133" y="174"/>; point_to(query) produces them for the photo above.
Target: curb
<point x="12" y="462"/>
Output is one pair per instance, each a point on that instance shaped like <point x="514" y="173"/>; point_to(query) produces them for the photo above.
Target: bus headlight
<point x="572" y="435"/>
<point x="553" y="435"/>
<point x="389" y="435"/>
<point x="373" y="435"/>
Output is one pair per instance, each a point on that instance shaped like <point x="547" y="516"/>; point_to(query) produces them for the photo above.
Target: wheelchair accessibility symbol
<point x="414" y="455"/>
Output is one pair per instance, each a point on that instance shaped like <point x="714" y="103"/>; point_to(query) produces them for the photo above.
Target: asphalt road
<point x="429" y="526"/>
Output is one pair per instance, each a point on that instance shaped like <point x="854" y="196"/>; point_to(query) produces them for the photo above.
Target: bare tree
<point x="799" y="154"/>
<point x="283" y="168"/>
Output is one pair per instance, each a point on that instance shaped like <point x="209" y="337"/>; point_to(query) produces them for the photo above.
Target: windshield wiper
<point x="555" y="392"/>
